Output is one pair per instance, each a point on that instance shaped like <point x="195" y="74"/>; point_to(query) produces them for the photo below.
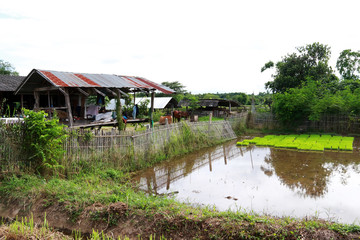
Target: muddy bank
<point x="118" y="220"/>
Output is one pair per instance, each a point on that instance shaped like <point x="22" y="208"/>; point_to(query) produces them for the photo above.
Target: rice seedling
<point x="317" y="147"/>
<point x="242" y="143"/>
<point x="304" y="142"/>
<point x="254" y="140"/>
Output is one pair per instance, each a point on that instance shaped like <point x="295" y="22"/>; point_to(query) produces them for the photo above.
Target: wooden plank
<point x="83" y="92"/>
<point x="44" y="89"/>
<point x="110" y="91"/>
<point x="99" y="92"/>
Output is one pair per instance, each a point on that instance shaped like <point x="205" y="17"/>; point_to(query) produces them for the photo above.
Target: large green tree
<point x="176" y="86"/>
<point x="348" y="64"/>
<point x="310" y="61"/>
<point x="7" y="69"/>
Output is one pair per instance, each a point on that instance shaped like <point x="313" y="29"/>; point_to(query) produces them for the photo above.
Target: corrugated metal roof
<point x="10" y="83"/>
<point x="159" y="87"/>
<point x="69" y="79"/>
<point x="159" y="102"/>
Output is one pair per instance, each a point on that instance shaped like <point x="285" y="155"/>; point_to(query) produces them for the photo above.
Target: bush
<point x="43" y="140"/>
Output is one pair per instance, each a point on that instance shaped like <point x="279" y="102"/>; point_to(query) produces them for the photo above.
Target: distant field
<point x="312" y="142"/>
<point x="207" y="118"/>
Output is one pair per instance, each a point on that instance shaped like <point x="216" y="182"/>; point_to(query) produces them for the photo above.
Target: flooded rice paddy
<point x="264" y="180"/>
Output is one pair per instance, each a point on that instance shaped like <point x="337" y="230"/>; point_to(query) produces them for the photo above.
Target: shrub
<point x="43" y="140"/>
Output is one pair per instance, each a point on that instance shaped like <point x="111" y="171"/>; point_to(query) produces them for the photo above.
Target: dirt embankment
<point x="117" y="220"/>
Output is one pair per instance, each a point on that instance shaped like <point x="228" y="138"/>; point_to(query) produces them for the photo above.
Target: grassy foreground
<point x="104" y="199"/>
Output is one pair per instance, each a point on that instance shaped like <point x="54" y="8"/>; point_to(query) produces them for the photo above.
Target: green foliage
<point x="43" y="140"/>
<point x="176" y="86"/>
<point x="329" y="103"/>
<point x="314" y="100"/>
<point x="7" y="69"/>
<point x="294" y="69"/>
<point x="207" y="118"/>
<point x="93" y="100"/>
<point x="295" y="104"/>
<point x="348" y="64"/>
<point x="143" y="108"/>
<point x="157" y="114"/>
<point x="267" y="65"/>
<point x="193" y="101"/>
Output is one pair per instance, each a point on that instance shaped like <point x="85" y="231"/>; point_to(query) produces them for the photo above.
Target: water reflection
<point x="274" y="181"/>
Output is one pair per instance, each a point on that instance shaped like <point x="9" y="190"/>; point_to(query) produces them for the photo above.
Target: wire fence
<point x="329" y="123"/>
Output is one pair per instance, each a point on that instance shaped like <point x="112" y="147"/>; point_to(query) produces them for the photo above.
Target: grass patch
<point x="207" y="118"/>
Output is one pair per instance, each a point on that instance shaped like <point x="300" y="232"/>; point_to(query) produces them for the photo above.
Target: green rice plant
<point x="304" y="142"/>
<point x="345" y="146"/>
<point x="269" y="136"/>
<point x="254" y="140"/>
<point x="305" y="146"/>
<point x="242" y="143"/>
<point x="336" y="138"/>
<point x="350" y="139"/>
<point x="303" y="136"/>
<point x="328" y="145"/>
<point x="314" y="136"/>
<point x="326" y="136"/>
<point x="317" y="147"/>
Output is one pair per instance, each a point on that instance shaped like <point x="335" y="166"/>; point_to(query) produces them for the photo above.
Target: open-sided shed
<point x="55" y="90"/>
<point x="219" y="107"/>
<point x="8" y="85"/>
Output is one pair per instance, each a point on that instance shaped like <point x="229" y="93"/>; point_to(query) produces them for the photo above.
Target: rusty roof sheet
<point x="70" y="79"/>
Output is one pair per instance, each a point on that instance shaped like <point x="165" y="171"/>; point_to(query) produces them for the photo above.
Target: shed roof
<point x="87" y="80"/>
<point x="159" y="102"/>
<point x="10" y="83"/>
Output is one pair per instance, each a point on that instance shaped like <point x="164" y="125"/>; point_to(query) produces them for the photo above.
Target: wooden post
<point x="37" y="100"/>
<point x="152" y="109"/>
<point x="210" y="119"/>
<point x="22" y="101"/>
<point x="68" y="107"/>
<point x="167" y="129"/>
<point x="48" y="95"/>
<point x="119" y="111"/>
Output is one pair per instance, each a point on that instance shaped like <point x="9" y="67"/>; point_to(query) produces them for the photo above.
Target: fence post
<point x="209" y="126"/>
<point x="167" y="129"/>
<point x="133" y="142"/>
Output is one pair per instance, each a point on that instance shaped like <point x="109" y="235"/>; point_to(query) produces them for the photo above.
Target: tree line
<point x="304" y="85"/>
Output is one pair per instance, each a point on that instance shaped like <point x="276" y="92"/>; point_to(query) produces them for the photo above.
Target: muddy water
<point x="264" y="180"/>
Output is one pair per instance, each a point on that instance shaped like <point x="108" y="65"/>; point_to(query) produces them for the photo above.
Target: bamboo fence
<point x="114" y="147"/>
<point x="340" y="124"/>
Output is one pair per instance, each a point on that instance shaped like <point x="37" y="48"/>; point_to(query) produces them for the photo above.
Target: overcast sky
<point x="208" y="46"/>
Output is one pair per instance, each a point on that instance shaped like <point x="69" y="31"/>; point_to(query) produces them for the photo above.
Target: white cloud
<point x="209" y="46"/>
